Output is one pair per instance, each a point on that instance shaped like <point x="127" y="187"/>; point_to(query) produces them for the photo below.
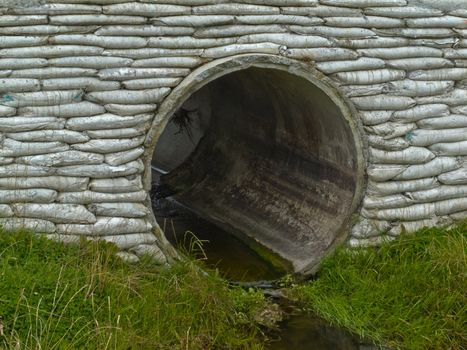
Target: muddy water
<point x="236" y="261"/>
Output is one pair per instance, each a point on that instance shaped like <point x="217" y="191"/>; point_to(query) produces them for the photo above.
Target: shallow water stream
<point x="237" y="262"/>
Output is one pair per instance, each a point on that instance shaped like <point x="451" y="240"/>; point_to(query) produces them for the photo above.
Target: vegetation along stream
<point x="247" y="263"/>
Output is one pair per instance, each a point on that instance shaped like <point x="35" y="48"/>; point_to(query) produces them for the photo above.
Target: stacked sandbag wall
<point x="81" y="81"/>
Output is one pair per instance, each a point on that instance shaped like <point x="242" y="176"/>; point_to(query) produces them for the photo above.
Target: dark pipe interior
<point x="264" y="153"/>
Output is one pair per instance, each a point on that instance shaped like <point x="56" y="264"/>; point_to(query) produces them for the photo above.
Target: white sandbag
<point x="105" y="146"/>
<point x="321" y="10"/>
<point x="383" y="102"/>
<point x="396" y="187"/>
<point x="19" y="124"/>
<point x="439" y="193"/>
<point x="126" y="210"/>
<point x="118" y="133"/>
<point x="395" y="144"/>
<point x="147" y="10"/>
<point x="364" y="3"/>
<point x="108" y="42"/>
<point x="390" y="130"/>
<point x="417" y="88"/>
<point x="129" y="241"/>
<point x="364" y="22"/>
<point x="22" y="41"/>
<point x="450" y="206"/>
<point x="194" y="21"/>
<point x="369" y="228"/>
<point x="439" y="43"/>
<point x="289" y="40"/>
<point x="106" y="121"/>
<point x="7" y="20"/>
<point x="333" y="32"/>
<point x="125" y="156"/>
<point x="281" y="2"/>
<point x="455" y="53"/>
<point x="79" y="109"/>
<point x="63" y="159"/>
<point x="58" y="183"/>
<point x="6" y="160"/>
<point x="150" y="250"/>
<point x="128" y="73"/>
<point x="322" y="54"/>
<point x="97" y="19"/>
<point x="403" y="12"/>
<point x="237" y="30"/>
<point x="449" y="122"/>
<point x="459" y="216"/>
<point x="6" y="111"/>
<point x="85" y="83"/>
<point x="401" y="52"/>
<point x="229" y="50"/>
<point x="363" y="90"/>
<point x="362" y="63"/>
<point x="459" y="109"/>
<point x="384" y="172"/>
<point x="373" y="76"/>
<point x="375" y="42"/>
<point x="130" y="110"/>
<point x="278" y="19"/>
<point x="417" y="32"/>
<point x="58" y="213"/>
<point x="375" y="117"/>
<point x="116" y="185"/>
<point x="41" y="98"/>
<point x="51" y="51"/>
<point x="46" y="29"/>
<point x="450" y="149"/>
<point x="419" y="112"/>
<point x="53" y="72"/>
<point x="55" y="9"/>
<point x="5" y="212"/>
<point x="412" y="226"/>
<point x="131" y="97"/>
<point x="188" y="42"/>
<point x="418" y="63"/>
<point x="13" y="148"/>
<point x="435" y="167"/>
<point x="90" y="197"/>
<point x="411" y="155"/>
<point x="456" y="177"/>
<point x="19" y="85"/>
<point x="439" y="74"/>
<point x="96" y="62"/>
<point x="143" y="30"/>
<point x="386" y="202"/>
<point x="152" y="83"/>
<point x="437" y="22"/>
<point x="36" y="195"/>
<point x="35" y="225"/>
<point x="426" y="137"/>
<point x="170" y="62"/>
<point x="454" y="98"/>
<point x="152" y="53"/>
<point x="412" y="213"/>
<point x="235" y="9"/>
<point x="101" y="171"/>
<point x="5" y="73"/>
<point x="66" y="136"/>
<point x="106" y="226"/>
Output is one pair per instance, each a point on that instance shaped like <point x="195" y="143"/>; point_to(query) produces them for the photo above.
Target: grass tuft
<point x="82" y="296"/>
<point x="407" y="294"/>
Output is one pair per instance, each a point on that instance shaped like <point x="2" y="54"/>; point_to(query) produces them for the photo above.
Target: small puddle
<point x="236" y="261"/>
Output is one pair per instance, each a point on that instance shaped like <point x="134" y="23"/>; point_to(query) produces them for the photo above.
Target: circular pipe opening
<point x="267" y="154"/>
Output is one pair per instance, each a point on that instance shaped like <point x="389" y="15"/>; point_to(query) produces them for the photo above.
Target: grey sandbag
<point x="127" y="210"/>
<point x="55" y="212"/>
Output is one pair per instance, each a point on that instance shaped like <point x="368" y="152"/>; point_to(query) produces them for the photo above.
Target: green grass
<point x="408" y="294"/>
<point x="84" y="297"/>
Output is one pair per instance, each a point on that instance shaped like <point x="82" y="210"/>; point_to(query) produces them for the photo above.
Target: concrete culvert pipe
<point x="267" y="153"/>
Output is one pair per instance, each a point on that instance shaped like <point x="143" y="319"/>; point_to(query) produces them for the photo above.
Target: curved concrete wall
<point x="87" y="86"/>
